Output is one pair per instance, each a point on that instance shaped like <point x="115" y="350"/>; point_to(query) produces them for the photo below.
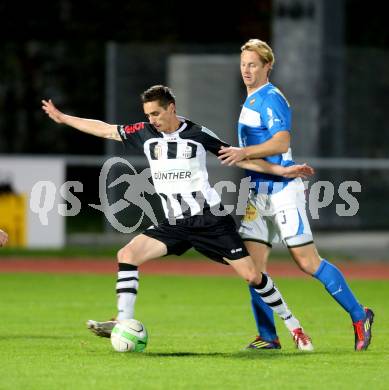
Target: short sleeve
<point x="275" y="112"/>
<point x="133" y="135"/>
<point x="211" y="141"/>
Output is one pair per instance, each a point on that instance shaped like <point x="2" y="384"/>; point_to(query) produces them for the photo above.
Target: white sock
<point x="126" y="290"/>
<point x="270" y="295"/>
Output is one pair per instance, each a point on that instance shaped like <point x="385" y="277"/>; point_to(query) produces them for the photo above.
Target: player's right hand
<point x="49" y="108"/>
<point x="3" y="237"/>
<point x="302" y="171"/>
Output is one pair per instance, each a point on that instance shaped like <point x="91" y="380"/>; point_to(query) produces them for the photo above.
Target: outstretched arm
<point x="90" y="126"/>
<point x="3" y="237"/>
<point x="259" y="165"/>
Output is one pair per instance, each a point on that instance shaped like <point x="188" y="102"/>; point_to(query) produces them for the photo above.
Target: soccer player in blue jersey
<point x="276" y="205"/>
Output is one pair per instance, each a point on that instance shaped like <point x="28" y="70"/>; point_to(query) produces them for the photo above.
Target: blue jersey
<point x="264" y="113"/>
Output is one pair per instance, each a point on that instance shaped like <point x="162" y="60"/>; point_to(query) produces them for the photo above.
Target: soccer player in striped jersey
<point x="176" y="151"/>
<point x="3" y="237"/>
<point x="276" y="205"/>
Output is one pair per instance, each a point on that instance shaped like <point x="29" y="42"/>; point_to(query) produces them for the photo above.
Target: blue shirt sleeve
<point x="276" y="113"/>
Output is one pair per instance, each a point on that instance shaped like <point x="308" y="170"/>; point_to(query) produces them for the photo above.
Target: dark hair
<point x="163" y="94"/>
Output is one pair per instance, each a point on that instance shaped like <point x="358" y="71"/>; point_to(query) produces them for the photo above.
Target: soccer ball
<point x="129" y="336"/>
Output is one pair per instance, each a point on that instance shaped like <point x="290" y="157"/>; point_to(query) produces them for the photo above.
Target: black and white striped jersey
<point x="178" y="164"/>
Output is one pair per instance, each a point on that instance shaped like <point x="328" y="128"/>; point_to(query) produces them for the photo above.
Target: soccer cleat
<point x="102" y="329"/>
<point x="260" y="343"/>
<point x="302" y="340"/>
<point x="362" y="330"/>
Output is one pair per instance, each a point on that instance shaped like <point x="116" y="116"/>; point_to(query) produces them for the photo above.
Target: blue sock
<point x="263" y="315"/>
<point x="337" y="286"/>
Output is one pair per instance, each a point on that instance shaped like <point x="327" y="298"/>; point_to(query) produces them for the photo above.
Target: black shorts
<point x="213" y="236"/>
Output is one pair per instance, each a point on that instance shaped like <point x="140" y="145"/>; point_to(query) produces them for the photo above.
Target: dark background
<point x="57" y="50"/>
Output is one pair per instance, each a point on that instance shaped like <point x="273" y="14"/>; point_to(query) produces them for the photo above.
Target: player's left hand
<point x="302" y="171"/>
<point x="231" y="155"/>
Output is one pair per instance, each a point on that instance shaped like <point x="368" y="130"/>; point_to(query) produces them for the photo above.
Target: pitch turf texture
<point x="198" y="327"/>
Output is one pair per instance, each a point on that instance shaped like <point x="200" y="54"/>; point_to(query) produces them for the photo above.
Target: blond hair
<point x="263" y="50"/>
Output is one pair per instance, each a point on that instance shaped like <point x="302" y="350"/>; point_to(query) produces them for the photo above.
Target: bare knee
<point x="307" y="263"/>
<point x="245" y="268"/>
<point x="307" y="258"/>
<point x="253" y="278"/>
<point x="126" y="255"/>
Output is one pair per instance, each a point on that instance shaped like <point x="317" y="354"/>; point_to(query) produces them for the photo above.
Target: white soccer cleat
<point x="302" y="340"/>
<point x="102" y="329"/>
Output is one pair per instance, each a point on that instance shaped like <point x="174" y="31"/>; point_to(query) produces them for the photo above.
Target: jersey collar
<point x="258" y="89"/>
<point x="181" y="128"/>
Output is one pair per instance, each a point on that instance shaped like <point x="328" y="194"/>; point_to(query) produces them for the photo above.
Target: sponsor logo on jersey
<point x="272" y="119"/>
<point x="170" y="137"/>
<point x="172" y="175"/>
<point x="158" y="152"/>
<point x="251" y="213"/>
<point x="130" y="129"/>
<point x="187" y="153"/>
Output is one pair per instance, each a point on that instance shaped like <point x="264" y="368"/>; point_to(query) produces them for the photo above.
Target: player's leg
<point x="286" y="223"/>
<point x="267" y="335"/>
<point x="139" y="250"/>
<point x="305" y="254"/>
<point x="255" y="233"/>
<point x="218" y="239"/>
<point x="264" y="286"/>
<point x="296" y="233"/>
<point x="336" y="285"/>
<point x="259" y="232"/>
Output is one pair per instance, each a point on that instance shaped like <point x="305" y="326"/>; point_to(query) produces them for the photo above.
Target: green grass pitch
<point x="198" y="327"/>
